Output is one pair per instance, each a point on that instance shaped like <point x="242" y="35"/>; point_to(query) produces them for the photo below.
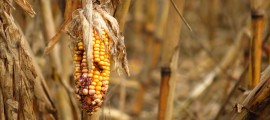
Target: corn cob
<point x="92" y="84"/>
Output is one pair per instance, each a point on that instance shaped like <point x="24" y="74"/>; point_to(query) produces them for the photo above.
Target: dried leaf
<point x="87" y="38"/>
<point x="55" y="38"/>
<point x="26" y="7"/>
<point x="9" y="3"/>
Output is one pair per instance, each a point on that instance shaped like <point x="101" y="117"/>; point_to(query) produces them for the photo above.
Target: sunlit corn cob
<point x="92" y="85"/>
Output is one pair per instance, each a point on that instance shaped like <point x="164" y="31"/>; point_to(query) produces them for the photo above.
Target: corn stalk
<point x="169" y="60"/>
<point x="121" y="15"/>
<point x="257" y="17"/>
<point x="23" y="91"/>
<point x="212" y="22"/>
<point x="149" y="60"/>
<point x="256" y="105"/>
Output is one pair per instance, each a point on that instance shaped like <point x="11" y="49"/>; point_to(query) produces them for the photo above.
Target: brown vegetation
<point x="188" y="59"/>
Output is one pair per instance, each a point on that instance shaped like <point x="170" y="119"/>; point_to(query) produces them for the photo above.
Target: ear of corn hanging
<point x="92" y="84"/>
<point x="93" y="54"/>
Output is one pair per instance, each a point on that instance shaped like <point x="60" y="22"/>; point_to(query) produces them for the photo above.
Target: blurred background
<point x="209" y="59"/>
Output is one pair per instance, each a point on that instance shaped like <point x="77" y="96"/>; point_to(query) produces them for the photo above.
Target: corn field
<point x="134" y="59"/>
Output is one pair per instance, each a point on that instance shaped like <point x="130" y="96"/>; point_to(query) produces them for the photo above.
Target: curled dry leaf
<point x="9" y="3"/>
<point x="55" y="38"/>
<point x="26" y="7"/>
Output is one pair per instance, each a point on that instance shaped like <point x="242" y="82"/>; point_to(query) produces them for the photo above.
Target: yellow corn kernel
<point x="99" y="96"/>
<point x="81" y="48"/>
<point x="96" y="77"/>
<point x="96" y="80"/>
<point x="101" y="62"/>
<point x="78" y="74"/>
<point x="102" y="53"/>
<point x="76" y="62"/>
<point x="93" y="67"/>
<point x="77" y="52"/>
<point x="77" y="77"/>
<point x="106" y="43"/>
<point x="103" y="67"/>
<point x="102" y="57"/>
<point x="96" y="45"/>
<point x="96" y="59"/>
<point x="99" y="84"/>
<point x="100" y="78"/>
<point x="85" y="70"/>
<point x="96" y="49"/>
<point x="91" y="87"/>
<point x="96" y="73"/>
<point x="107" y="72"/>
<point x="96" y="56"/>
<point x="97" y="92"/>
<point x="103" y="32"/>
<point x="102" y="47"/>
<point x="107" y="60"/>
<point x="97" y="36"/>
<point x="93" y="83"/>
<point x="98" y="88"/>
<point x="106" y="78"/>
<point x="89" y="75"/>
<point x="77" y="58"/>
<point x="104" y="74"/>
<point x="84" y="60"/>
<point x="102" y="50"/>
<point x="96" y="52"/>
<point x="80" y="43"/>
<point x="78" y="71"/>
<point x="107" y="64"/>
<point x="97" y="42"/>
